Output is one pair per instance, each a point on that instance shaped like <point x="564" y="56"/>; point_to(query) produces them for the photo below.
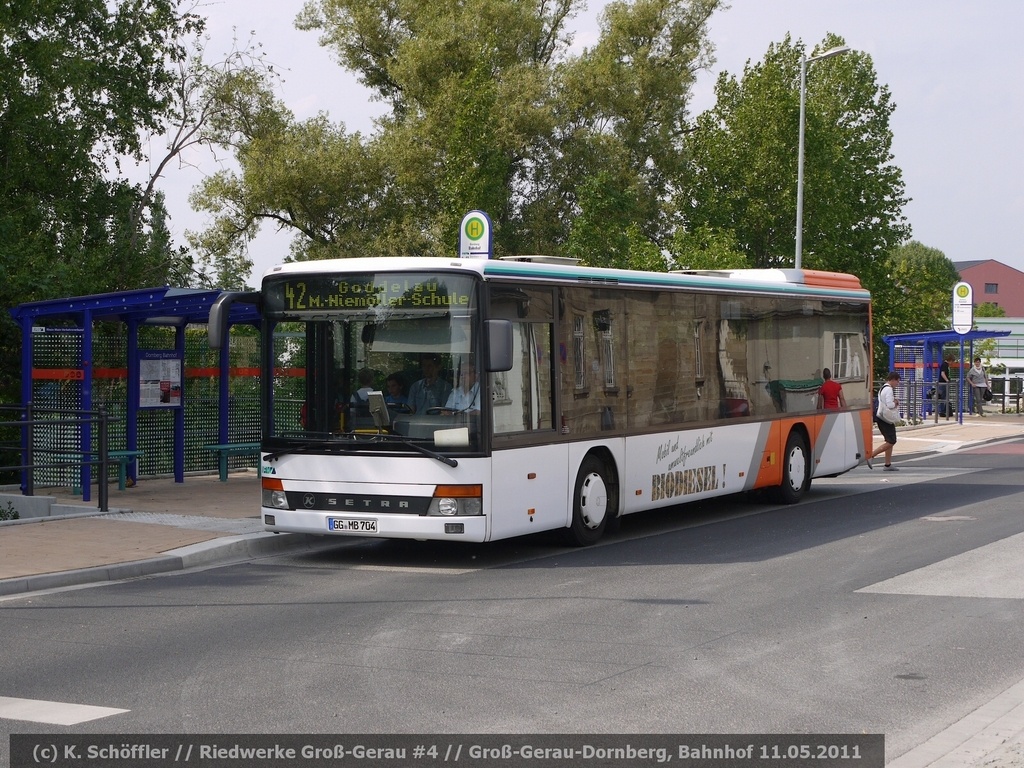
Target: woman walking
<point x="978" y="379"/>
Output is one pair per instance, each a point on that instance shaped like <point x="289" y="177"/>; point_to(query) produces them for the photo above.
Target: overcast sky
<point x="954" y="70"/>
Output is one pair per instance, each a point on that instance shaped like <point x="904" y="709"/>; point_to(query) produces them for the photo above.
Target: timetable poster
<point x="159" y="379"/>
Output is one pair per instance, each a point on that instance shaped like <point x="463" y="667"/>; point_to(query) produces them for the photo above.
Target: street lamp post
<point x="804" y="61"/>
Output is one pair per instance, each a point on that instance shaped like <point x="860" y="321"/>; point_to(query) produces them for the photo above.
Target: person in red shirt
<point x="830" y="393"/>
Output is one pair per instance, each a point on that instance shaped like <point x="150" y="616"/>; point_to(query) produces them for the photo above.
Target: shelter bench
<point x="121" y="458"/>
<point x="224" y="450"/>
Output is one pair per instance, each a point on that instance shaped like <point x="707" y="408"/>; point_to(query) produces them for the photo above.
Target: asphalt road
<point x="884" y="603"/>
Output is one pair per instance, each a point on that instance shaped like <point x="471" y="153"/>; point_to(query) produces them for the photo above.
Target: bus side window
<point x="522" y="395"/>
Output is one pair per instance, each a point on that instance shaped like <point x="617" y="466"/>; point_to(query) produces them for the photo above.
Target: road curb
<point x="216" y="551"/>
<point x="940" y="445"/>
<point x="76" y="512"/>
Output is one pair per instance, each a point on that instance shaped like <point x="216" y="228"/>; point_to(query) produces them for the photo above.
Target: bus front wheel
<point x="796" y="470"/>
<point x="594" y="503"/>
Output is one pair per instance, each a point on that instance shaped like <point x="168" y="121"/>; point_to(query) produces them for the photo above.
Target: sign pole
<point x="963" y="323"/>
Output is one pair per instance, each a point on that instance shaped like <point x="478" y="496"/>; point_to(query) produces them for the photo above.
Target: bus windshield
<point x="372" y="361"/>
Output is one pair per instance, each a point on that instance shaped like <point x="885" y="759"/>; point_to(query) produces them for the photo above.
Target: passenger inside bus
<point x="431" y="391"/>
<point x="394" y="394"/>
<point x="361" y="399"/>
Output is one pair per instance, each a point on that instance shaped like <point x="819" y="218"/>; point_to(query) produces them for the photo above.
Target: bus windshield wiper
<point x="432" y="454"/>
<point x="311" y="445"/>
<point x="347" y="443"/>
<point x="422" y="449"/>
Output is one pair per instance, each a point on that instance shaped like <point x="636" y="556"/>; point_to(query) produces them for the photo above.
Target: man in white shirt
<point x="465" y="398"/>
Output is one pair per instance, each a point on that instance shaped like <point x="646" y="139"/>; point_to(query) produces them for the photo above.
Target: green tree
<point x="987" y="348"/>
<point x="743" y="176"/>
<point x="311" y="178"/>
<point x="916" y="295"/>
<point x="206" y="97"/>
<point x="622" y="121"/>
<point x="80" y="81"/>
<point x="706" y="248"/>
<point x="989" y="309"/>
<point x="489" y="110"/>
<point x="599" y="235"/>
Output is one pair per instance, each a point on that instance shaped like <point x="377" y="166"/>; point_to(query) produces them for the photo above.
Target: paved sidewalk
<point x="157" y="526"/>
<point x="946" y="435"/>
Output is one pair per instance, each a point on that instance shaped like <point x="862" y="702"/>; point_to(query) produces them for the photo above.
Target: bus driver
<point x="466" y="397"/>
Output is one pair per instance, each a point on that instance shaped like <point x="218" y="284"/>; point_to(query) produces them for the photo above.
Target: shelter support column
<point x="179" y="412"/>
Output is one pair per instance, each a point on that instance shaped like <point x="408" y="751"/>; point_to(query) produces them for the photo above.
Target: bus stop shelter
<point x="154" y="376"/>
<point x="917" y="357"/>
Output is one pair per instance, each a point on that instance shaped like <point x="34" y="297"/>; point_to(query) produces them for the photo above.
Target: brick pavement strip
<point x="44" y="547"/>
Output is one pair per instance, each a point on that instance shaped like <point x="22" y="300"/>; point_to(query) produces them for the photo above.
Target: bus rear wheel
<point x="796" y="470"/>
<point x="594" y="503"/>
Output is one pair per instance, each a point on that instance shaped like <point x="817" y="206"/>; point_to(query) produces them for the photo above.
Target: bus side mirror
<point x="499" y="345"/>
<point x="220" y="311"/>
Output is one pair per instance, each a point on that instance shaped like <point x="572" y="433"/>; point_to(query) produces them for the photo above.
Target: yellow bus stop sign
<point x="475" y="236"/>
<point x="963" y="308"/>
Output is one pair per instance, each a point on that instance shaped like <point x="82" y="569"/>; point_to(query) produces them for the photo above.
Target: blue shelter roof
<point x="165" y="305"/>
<point x="940" y="337"/>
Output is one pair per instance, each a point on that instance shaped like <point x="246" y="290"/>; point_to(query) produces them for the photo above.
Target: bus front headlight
<point x="275" y="499"/>
<point x="456" y="500"/>
<point x="273" y="494"/>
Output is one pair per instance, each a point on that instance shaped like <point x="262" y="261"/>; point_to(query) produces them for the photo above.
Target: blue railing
<point x="32" y="424"/>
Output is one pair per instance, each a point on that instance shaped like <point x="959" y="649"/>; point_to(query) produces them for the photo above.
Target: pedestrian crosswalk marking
<point x="52" y="712"/>
<point x="991" y="571"/>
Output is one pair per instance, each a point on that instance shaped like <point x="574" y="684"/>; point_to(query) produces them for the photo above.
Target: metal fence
<point x="57" y="389"/>
<point x="922" y="400"/>
<point x="921" y="394"/>
<point x="28" y="432"/>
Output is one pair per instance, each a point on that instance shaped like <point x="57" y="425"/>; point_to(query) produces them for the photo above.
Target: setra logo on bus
<point x="683" y="482"/>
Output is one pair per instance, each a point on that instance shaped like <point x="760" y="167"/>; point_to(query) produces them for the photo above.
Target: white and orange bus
<point x="601" y="392"/>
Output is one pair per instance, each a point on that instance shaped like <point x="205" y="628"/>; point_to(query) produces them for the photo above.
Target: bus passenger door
<point x="528" y="468"/>
<point x="835" y="447"/>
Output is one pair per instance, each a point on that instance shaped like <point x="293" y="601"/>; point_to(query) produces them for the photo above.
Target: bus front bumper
<point x="379" y="526"/>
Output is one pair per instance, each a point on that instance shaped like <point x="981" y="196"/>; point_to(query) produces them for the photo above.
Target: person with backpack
<point x="886" y="416"/>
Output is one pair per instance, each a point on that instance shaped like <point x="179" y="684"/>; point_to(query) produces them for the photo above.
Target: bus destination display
<point x="314" y="292"/>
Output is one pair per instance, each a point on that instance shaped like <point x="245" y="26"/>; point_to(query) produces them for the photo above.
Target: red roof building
<point x="995" y="283"/>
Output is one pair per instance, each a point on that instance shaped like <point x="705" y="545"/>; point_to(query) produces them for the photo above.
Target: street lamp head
<point x="830" y="53"/>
